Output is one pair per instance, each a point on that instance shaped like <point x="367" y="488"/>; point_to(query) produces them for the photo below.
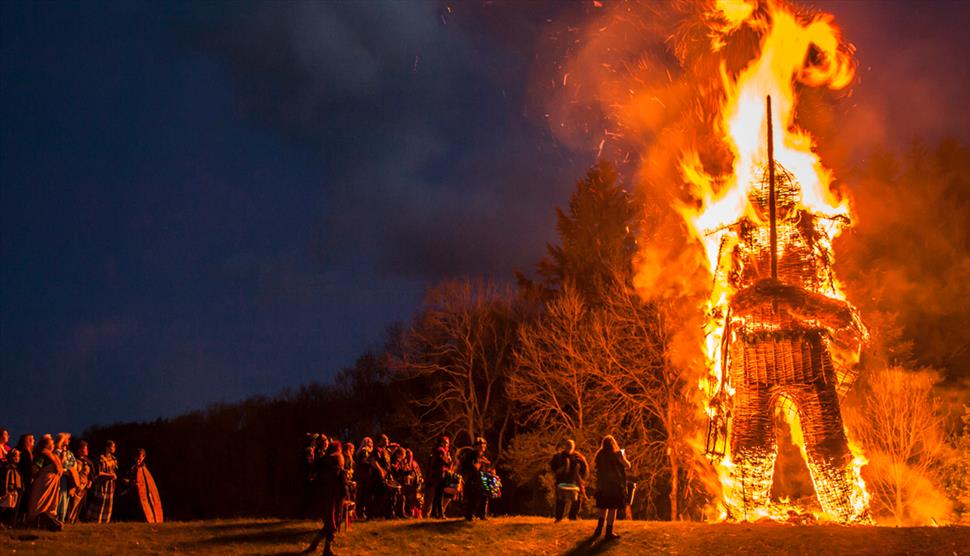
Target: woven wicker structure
<point x="782" y="335"/>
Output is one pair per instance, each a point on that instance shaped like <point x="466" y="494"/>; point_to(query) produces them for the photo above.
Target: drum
<point x="568" y="491"/>
<point x="452" y="484"/>
<point x="491" y="484"/>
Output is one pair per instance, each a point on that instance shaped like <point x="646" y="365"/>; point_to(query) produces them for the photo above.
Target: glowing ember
<point x="779" y="330"/>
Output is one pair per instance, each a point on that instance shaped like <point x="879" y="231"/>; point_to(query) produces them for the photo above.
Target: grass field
<point x="498" y="536"/>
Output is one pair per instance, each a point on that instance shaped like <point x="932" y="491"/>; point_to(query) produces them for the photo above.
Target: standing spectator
<point x="402" y="475"/>
<point x="103" y="490"/>
<point x="347" y="451"/>
<point x="412" y="490"/>
<point x="4" y="447"/>
<point x="348" y="454"/>
<point x="473" y="464"/>
<point x="140" y="494"/>
<point x="332" y="480"/>
<point x="69" y="478"/>
<point x="611" y="466"/>
<point x="380" y="479"/>
<point x="26" y="448"/>
<point x="439" y="467"/>
<point x="11" y="488"/>
<point x="570" y="470"/>
<point x="85" y="472"/>
<point x="45" y="489"/>
<point x="363" y="477"/>
<point x="308" y="475"/>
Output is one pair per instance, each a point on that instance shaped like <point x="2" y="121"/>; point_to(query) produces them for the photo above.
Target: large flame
<point x="793" y="52"/>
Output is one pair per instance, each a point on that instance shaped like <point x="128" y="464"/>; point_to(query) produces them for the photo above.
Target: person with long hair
<point x="102" y="494"/>
<point x="11" y="488"/>
<point x="69" y="478"/>
<point x="46" y="487"/>
<point x="85" y="470"/>
<point x="26" y="448"/>
<point x="611" y="465"/>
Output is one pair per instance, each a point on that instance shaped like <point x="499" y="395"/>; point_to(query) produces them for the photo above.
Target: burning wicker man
<point x="783" y="339"/>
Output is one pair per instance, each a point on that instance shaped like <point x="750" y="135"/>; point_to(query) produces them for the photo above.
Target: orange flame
<point x="792" y="51"/>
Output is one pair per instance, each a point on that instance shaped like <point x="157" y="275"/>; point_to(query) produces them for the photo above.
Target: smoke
<point x="414" y="114"/>
<point x="638" y="83"/>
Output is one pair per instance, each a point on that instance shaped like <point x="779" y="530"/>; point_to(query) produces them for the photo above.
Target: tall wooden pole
<point x="771" y="195"/>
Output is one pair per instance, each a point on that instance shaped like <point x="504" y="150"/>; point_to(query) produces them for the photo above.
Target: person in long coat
<point x="26" y="467"/>
<point x="332" y="483"/>
<point x="611" y="467"/>
<point x="46" y="487"/>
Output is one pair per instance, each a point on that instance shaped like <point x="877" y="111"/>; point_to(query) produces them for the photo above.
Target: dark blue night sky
<point x="206" y="201"/>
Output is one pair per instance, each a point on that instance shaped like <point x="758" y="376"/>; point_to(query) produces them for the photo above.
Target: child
<point x="11" y="488"/>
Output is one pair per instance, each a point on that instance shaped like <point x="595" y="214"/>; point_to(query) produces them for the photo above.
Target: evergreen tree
<point x="597" y="236"/>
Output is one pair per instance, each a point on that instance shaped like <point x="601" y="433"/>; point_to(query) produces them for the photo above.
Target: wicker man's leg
<point x="829" y="458"/>
<point x="753" y="448"/>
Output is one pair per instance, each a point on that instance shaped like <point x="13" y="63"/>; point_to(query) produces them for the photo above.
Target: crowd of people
<point x="52" y="481"/>
<point x="383" y="480"/>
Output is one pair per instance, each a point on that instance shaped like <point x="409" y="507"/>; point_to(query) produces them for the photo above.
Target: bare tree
<point x="460" y="350"/>
<point x="588" y="371"/>
<point x="656" y="396"/>
<point x="554" y="381"/>
<point x="900" y="424"/>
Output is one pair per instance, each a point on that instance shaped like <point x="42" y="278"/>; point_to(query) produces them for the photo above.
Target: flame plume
<point x="792" y="52"/>
<point x="679" y="89"/>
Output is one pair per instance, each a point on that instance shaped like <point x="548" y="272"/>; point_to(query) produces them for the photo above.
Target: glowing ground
<point x="504" y="536"/>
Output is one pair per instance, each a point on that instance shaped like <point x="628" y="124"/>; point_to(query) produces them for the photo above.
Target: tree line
<point x="575" y="352"/>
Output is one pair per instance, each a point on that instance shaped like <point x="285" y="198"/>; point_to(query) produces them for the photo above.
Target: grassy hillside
<point x="502" y="536"/>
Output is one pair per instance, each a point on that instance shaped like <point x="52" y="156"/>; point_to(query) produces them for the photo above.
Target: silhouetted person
<point x="380" y="465"/>
<point x="26" y="448"/>
<point x="611" y="466"/>
<point x="570" y="470"/>
<point x="332" y="480"/>
<point x="308" y="475"/>
<point x="473" y="465"/>
<point x="363" y="476"/>
<point x="439" y="467"/>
